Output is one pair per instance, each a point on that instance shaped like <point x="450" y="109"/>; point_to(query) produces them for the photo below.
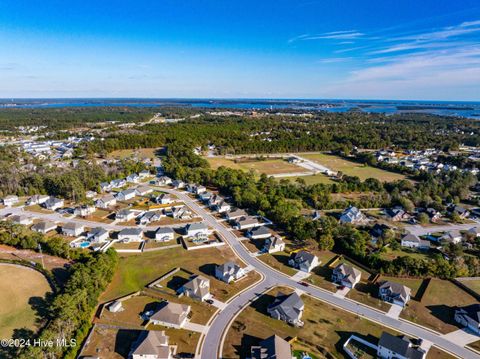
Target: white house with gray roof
<point x="393" y="347"/>
<point x="229" y="272"/>
<point x="198" y="287"/>
<point x="151" y="344"/>
<point x="346" y="275"/>
<point x="303" y="261"/>
<point x="130" y="235"/>
<point x="164" y="234"/>
<point x="288" y="308"/>
<point x="126" y="195"/>
<point x="395" y="293"/>
<point x="196" y="229"/>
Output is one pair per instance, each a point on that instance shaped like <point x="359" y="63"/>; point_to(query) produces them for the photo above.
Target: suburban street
<point x="213" y="340"/>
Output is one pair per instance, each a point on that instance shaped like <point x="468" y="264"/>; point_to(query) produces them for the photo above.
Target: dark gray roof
<point x="131" y="231"/>
<point x="258" y="231"/>
<point x="273" y="347"/>
<point x="196" y="226"/>
<point x="400" y="345"/>
<point x="472" y="311"/>
<point x="290" y="305"/>
<point x="303" y="257"/>
<point x="164" y="230"/>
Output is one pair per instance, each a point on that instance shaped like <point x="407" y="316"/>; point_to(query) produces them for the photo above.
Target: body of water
<point x="458" y="109"/>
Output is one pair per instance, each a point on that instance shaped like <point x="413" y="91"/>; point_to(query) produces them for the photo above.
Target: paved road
<point x="58" y="218"/>
<point x="311" y="165"/>
<point x="213" y="339"/>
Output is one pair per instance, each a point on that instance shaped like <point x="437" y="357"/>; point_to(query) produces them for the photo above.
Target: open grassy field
<point x="267" y="166"/>
<point x="473" y="284"/>
<point x="436" y="308"/>
<point x="21" y="290"/>
<point x="350" y="168"/>
<point x="135" y="271"/>
<point x="326" y="328"/>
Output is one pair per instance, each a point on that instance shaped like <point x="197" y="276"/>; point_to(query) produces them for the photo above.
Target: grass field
<point x="268" y="166"/>
<point x="350" y="168"/>
<point x="473" y="284"/>
<point x="21" y="290"/>
<point x="137" y="270"/>
<point x="436" y="308"/>
<point x="326" y="328"/>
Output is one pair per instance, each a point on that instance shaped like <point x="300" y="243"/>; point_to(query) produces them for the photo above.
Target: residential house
<point x="53" y="203"/>
<point x="196" y="229"/>
<point x="393" y="347"/>
<point x="151" y="344"/>
<point x="469" y="317"/>
<point x="180" y="212"/>
<point x="198" y="287"/>
<point x="164" y="181"/>
<point x="144" y="174"/>
<point x="178" y="184"/>
<point x="433" y="214"/>
<point x="98" y="235"/>
<point x="353" y="215"/>
<point x="274" y="244"/>
<point x="44" y="227"/>
<point x="474" y="232"/>
<point x="91" y="194"/>
<point x="273" y="347"/>
<point x="164" y="234"/>
<point x="10" y="200"/>
<point x="259" y="233"/>
<point x="288" y="308"/>
<point x="124" y="215"/>
<point x="245" y="223"/>
<point x="205" y="196"/>
<point x="164" y="198"/>
<point x="396" y="214"/>
<point x="221" y="207"/>
<point x="84" y="210"/>
<point x="346" y="275"/>
<point x="126" y="195"/>
<point x="200" y="189"/>
<point x="118" y="183"/>
<point x="106" y="201"/>
<point x="454" y="236"/>
<point x="72" y="229"/>
<point x="395" y="293"/>
<point x="234" y="214"/>
<point x="461" y="211"/>
<point x="229" y="272"/>
<point x="21" y="219"/>
<point x="143" y="190"/>
<point x="149" y="216"/>
<point x="133" y="178"/>
<point x="412" y="241"/>
<point x="303" y="261"/>
<point x="171" y="315"/>
<point x="130" y="235"/>
<point x="105" y="187"/>
<point x="37" y="199"/>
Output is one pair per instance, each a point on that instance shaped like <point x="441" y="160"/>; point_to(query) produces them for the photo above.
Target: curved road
<point x="213" y="339"/>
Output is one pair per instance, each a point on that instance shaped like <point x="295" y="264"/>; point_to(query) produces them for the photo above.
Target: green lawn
<point x="267" y="166"/>
<point x="351" y="168"/>
<point x="326" y="328"/>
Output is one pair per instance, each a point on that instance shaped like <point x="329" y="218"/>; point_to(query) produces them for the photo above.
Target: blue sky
<point x="371" y="49"/>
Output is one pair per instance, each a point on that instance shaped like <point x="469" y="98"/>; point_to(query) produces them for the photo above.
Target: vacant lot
<point x="473" y="284"/>
<point x="135" y="271"/>
<point x="267" y="166"/>
<point x="22" y="292"/>
<point x="311" y="179"/>
<point x="326" y="328"/>
<point x="436" y="308"/>
<point x="350" y="168"/>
